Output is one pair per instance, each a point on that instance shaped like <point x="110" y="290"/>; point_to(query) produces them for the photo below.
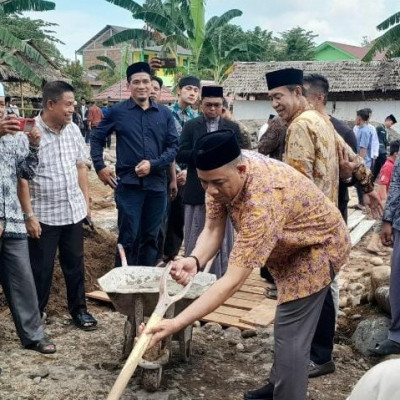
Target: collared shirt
<point x="212" y="124"/>
<point x="311" y="150"/>
<point x="181" y="116"/>
<point x="17" y="160"/>
<point x="56" y="196"/>
<point x="392" y="208"/>
<point x="141" y="135"/>
<point x="285" y="223"/>
<point x="364" y="141"/>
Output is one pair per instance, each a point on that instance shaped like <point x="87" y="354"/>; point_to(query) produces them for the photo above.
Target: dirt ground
<point x="223" y="365"/>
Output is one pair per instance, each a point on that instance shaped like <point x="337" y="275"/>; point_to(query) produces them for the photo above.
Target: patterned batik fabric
<point x="285" y="223"/>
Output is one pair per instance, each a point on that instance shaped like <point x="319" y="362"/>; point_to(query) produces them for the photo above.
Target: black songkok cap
<point x="391" y="116"/>
<point x="189" y="81"/>
<point x="216" y="149"/>
<point x="136" y="68"/>
<point x="284" y="77"/>
<point x="212" y="91"/>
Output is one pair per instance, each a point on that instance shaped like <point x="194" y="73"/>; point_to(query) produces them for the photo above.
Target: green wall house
<point x="334" y="51"/>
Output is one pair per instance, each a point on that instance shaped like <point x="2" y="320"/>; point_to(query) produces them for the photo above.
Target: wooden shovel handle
<point x="133" y="359"/>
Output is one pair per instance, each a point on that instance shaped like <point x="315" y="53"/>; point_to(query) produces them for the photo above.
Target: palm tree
<point x="389" y="41"/>
<point x="10" y="44"/>
<point x="173" y="23"/>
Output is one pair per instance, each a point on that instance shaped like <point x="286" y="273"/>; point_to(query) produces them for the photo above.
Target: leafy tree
<point x="9" y="42"/>
<point x="172" y="23"/>
<point x="389" y="41"/>
<point x="74" y="71"/>
<point x="296" y="44"/>
<point x="38" y="31"/>
<point x="110" y="72"/>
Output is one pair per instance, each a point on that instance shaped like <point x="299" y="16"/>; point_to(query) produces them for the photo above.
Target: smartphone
<point x="167" y="62"/>
<point x="26" y="124"/>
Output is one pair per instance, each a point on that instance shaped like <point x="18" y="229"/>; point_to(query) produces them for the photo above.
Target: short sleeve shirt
<point x="386" y="173"/>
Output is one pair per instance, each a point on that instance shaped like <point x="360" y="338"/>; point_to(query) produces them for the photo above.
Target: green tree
<point x="389" y="41"/>
<point x="109" y="71"/>
<point x="10" y="43"/>
<point x="172" y="23"/>
<point x="74" y="71"/>
<point x="38" y="31"/>
<point x="296" y="44"/>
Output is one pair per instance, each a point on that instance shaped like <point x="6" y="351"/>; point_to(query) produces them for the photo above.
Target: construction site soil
<point x="224" y="364"/>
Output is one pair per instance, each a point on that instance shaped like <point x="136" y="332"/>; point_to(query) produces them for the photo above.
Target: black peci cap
<point x="284" y="77"/>
<point x="212" y="91"/>
<point x="136" y="68"/>
<point x="216" y="149"/>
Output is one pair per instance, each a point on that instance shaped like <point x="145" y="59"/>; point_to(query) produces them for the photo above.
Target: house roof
<point x="114" y="28"/>
<point x="118" y="29"/>
<point x="355" y="51"/>
<point x="119" y="91"/>
<point x="343" y="76"/>
<point x="48" y="72"/>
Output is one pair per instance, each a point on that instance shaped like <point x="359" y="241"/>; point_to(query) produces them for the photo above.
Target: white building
<point x="353" y="85"/>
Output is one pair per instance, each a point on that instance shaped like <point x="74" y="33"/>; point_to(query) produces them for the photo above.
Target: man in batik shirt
<point x="283" y="222"/>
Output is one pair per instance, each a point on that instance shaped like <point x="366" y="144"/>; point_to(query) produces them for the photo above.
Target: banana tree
<point x="389" y="41"/>
<point x="110" y="72"/>
<point x="173" y="23"/>
<point x="14" y="44"/>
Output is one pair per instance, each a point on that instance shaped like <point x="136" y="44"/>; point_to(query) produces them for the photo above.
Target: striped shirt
<point x="57" y="198"/>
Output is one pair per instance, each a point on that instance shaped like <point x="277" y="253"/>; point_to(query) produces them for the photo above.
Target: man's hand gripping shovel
<point x="164" y="302"/>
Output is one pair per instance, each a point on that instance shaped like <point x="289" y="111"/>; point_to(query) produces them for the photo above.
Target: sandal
<point x="85" y="321"/>
<point x="42" y="346"/>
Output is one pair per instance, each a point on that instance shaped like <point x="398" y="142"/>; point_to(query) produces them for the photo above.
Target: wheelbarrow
<point x="134" y="292"/>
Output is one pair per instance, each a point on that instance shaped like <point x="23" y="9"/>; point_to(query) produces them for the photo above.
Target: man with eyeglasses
<point x="147" y="143"/>
<point x="194" y="196"/>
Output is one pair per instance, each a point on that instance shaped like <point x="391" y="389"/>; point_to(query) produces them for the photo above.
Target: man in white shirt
<point x="60" y="202"/>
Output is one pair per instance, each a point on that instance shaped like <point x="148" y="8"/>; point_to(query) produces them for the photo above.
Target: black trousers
<point x="69" y="241"/>
<point x="175" y="223"/>
<point x="322" y="343"/>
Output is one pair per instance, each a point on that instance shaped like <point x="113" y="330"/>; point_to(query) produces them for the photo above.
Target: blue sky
<point x="344" y="21"/>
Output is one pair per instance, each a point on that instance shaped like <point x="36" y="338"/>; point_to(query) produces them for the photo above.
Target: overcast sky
<point x="344" y="21"/>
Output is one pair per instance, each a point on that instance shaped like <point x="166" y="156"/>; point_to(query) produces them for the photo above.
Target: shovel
<point x="164" y="302"/>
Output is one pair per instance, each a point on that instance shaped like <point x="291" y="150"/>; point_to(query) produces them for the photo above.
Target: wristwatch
<point x="28" y="215"/>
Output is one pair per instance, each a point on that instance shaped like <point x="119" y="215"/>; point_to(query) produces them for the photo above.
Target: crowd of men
<point x="185" y="176"/>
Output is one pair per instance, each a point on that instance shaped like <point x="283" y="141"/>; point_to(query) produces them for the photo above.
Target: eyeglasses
<point x="215" y="105"/>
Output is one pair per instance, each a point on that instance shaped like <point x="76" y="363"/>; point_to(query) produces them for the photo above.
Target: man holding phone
<point x="147" y="143"/>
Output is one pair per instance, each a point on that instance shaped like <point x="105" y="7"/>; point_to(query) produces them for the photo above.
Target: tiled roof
<point x="119" y="91"/>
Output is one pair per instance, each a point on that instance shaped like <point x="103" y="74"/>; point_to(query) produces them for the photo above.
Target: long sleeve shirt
<point x="17" y="160"/>
<point x="141" y="135"/>
<point x="283" y="222"/>
<point x="392" y="208"/>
